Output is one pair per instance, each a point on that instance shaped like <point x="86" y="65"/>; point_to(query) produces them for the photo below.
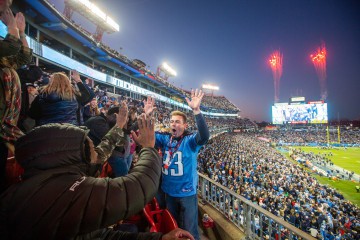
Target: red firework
<point x="276" y="67"/>
<point x="319" y="61"/>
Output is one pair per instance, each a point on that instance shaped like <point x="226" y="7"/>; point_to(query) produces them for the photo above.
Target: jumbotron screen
<point x="300" y="113"/>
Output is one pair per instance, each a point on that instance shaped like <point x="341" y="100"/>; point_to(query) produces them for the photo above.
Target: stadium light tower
<point x="211" y="88"/>
<point x="103" y="22"/>
<point x="167" y="70"/>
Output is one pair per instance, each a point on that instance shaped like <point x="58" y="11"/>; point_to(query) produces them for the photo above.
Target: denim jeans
<point x="160" y="197"/>
<point x="119" y="166"/>
<point x="185" y="212"/>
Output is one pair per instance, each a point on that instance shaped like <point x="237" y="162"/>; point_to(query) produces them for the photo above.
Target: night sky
<point x="229" y="42"/>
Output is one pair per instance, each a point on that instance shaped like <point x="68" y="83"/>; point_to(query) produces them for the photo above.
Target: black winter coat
<point x="57" y="200"/>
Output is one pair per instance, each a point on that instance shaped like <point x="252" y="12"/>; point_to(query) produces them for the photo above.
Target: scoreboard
<point x="312" y="112"/>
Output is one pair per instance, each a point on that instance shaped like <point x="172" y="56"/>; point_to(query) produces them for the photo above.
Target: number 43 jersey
<point x="179" y="174"/>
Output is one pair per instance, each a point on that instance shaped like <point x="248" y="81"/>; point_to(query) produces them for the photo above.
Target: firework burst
<point x="319" y="60"/>
<point x="277" y="68"/>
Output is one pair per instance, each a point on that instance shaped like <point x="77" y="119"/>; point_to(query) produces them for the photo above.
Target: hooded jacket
<point x="58" y="200"/>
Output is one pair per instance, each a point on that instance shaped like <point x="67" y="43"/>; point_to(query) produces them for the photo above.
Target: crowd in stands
<point x="251" y="168"/>
<point x="232" y="123"/>
<point x="162" y="113"/>
<point x="219" y="102"/>
<point x="313" y="136"/>
<point x="243" y="163"/>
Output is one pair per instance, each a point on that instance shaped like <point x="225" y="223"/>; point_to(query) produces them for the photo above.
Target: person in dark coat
<point x="59" y="101"/>
<point x="14" y="52"/>
<point x="81" y="110"/>
<point x="99" y="126"/>
<point x="59" y="200"/>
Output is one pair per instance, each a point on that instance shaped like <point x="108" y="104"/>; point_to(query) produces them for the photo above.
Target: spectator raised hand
<point x="194" y="103"/>
<point x="10" y="21"/>
<point x="75" y="76"/>
<point x="122" y="116"/>
<point x="20" y="22"/>
<point x="146" y="136"/>
<point x="149" y="105"/>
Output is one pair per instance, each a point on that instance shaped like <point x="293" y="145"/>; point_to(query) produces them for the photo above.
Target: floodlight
<point x="168" y="70"/>
<point x="98" y="12"/>
<point x="210" y="87"/>
<point x="112" y="23"/>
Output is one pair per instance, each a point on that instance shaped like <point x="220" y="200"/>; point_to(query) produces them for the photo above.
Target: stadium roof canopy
<point x="50" y="18"/>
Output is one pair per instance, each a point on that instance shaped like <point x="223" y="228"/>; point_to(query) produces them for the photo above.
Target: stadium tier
<point x="60" y="44"/>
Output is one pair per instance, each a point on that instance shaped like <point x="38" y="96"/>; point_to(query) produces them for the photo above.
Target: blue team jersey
<point x="180" y="179"/>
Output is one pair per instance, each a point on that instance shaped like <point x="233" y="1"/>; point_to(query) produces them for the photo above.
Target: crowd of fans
<point x="103" y="98"/>
<point x="242" y="163"/>
<point x="253" y="169"/>
<point x="319" y="136"/>
<point x="219" y="102"/>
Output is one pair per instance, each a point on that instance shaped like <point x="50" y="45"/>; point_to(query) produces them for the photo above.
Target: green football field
<point x="346" y="188"/>
<point x="348" y="159"/>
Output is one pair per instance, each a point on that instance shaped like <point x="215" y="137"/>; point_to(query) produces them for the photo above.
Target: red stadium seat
<point x="168" y="222"/>
<point x="160" y="220"/>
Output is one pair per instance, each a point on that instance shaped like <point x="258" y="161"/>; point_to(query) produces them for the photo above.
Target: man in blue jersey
<point x="179" y="175"/>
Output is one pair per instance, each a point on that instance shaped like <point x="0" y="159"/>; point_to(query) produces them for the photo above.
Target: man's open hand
<point x="194" y="102"/>
<point x="149" y="105"/>
<point x="122" y="115"/>
<point x="146" y="137"/>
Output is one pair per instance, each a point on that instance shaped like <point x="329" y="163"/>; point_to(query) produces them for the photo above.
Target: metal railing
<point x="253" y="220"/>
